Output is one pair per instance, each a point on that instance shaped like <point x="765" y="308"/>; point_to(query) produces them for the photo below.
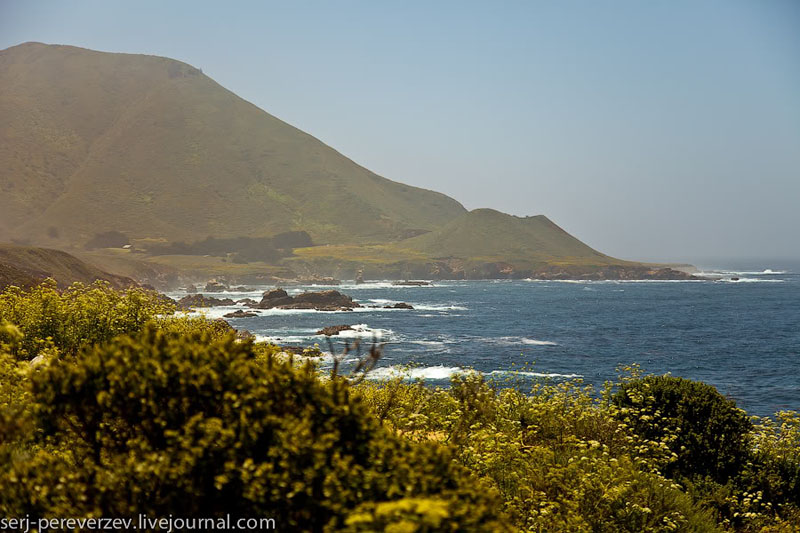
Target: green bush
<point x="190" y="425"/>
<point x="558" y="456"/>
<point x="706" y="431"/>
<point x="769" y="485"/>
<point x="65" y="321"/>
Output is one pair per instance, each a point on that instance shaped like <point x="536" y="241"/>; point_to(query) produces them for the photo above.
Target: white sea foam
<point x="765" y="272"/>
<point x="351" y="285"/>
<point x="512" y="341"/>
<point x="441" y="372"/>
<point x="416" y="306"/>
<point x="737" y="273"/>
<point x="287" y="339"/>
<point x="438" y="372"/>
<point x="613" y="281"/>
<point x="752" y="280"/>
<point x="430" y="343"/>
<point x="361" y="331"/>
<point x="213" y="312"/>
<point x="440" y="307"/>
<point x="534" y="374"/>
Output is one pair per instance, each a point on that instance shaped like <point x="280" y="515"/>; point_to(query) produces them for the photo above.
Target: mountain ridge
<point x="152" y="149"/>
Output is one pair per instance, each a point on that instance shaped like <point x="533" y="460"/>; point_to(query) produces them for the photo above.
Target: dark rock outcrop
<point x="198" y="300"/>
<point x="191" y="289"/>
<point x="215" y="286"/>
<point x="240" y="314"/>
<point x="400" y="305"/>
<point x="334" y="330"/>
<point x="321" y="301"/>
<point x="274" y="293"/>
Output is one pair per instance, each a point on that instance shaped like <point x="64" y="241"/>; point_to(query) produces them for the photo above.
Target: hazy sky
<point x="651" y="130"/>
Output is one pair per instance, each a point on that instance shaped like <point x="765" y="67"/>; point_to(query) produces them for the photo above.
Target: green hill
<point x="490" y="234"/>
<point x="25" y="266"/>
<point x="481" y="244"/>
<point x="153" y="148"/>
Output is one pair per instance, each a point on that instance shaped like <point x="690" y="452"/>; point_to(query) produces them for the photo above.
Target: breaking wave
<point x="512" y="341"/>
<point x="441" y="372"/>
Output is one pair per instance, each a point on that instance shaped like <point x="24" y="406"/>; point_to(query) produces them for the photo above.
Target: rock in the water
<point x="249" y="302"/>
<point x="411" y="283"/>
<point x="240" y="314"/>
<point x="274" y="294"/>
<point x="400" y="305"/>
<point x="191" y="289"/>
<point x="274" y="298"/>
<point x="334" y="330"/>
<point x="240" y="289"/>
<point x="198" y="300"/>
<point x="321" y="301"/>
<point x="215" y="286"/>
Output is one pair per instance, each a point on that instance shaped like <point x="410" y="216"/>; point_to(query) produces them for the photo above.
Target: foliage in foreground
<point x="192" y="426"/>
<point x="130" y="410"/>
<point x="560" y="461"/>
<point x="651" y="455"/>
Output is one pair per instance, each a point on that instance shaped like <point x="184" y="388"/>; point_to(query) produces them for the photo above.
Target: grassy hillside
<point x="490" y="234"/>
<point x="481" y="244"/>
<point x="153" y="148"/>
<point x="26" y="266"/>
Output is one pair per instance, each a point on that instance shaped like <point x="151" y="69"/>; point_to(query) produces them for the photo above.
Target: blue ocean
<point x="739" y="330"/>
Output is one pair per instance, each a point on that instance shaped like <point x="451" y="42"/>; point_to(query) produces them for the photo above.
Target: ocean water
<point x="741" y="336"/>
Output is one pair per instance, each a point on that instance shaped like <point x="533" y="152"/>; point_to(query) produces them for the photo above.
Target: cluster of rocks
<point x="320" y="301"/>
<point x="240" y="314"/>
<point x="198" y="300"/>
<point x="330" y="300"/>
<point x="334" y="330"/>
<point x="399" y="305"/>
<point x="278" y="299"/>
<point x="216" y="286"/>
